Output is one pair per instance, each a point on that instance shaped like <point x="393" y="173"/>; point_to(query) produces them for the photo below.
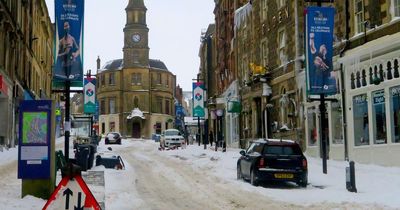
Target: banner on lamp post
<point x="319" y="50"/>
<point x="198" y="99"/>
<point x="89" y="99"/>
<point x="68" y="59"/>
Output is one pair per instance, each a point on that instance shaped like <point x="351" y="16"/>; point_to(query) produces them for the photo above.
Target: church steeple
<point x="136" y="49"/>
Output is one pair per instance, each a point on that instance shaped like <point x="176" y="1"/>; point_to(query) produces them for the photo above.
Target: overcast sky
<point x="174" y="36"/>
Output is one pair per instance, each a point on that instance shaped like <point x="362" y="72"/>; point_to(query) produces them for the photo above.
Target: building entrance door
<point x="136" y="130"/>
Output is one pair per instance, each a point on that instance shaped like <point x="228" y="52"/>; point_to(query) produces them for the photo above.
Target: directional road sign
<point x="72" y="194"/>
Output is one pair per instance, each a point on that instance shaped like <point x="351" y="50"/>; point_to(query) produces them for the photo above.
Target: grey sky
<point x="174" y="36"/>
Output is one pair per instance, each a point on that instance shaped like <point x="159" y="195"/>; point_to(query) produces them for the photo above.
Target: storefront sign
<point x="198" y="99"/>
<point x="319" y="45"/>
<point x="68" y="42"/>
<point x="34" y="139"/>
<point x="3" y="86"/>
<point x="89" y="99"/>
<point x="379" y="97"/>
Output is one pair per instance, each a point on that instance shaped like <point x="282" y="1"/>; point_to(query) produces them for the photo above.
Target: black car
<point x="273" y="160"/>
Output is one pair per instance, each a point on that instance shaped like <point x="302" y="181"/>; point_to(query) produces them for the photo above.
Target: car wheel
<point x="119" y="141"/>
<point x="303" y="182"/>
<point x="239" y="172"/>
<point x="253" y="180"/>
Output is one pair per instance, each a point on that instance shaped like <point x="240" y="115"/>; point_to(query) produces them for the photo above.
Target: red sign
<point x="3" y="87"/>
<point x="72" y="194"/>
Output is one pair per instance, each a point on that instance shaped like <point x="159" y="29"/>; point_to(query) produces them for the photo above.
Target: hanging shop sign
<point x="89" y="99"/>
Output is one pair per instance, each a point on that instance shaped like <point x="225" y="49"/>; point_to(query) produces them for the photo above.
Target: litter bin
<point x="82" y="156"/>
<point x="93" y="150"/>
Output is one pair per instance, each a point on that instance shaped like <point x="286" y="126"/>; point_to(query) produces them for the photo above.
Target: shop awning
<point x="136" y="113"/>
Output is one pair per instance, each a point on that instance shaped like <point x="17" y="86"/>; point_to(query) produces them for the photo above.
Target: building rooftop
<point x="118" y="64"/>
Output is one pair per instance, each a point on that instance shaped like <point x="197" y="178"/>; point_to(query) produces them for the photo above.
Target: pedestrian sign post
<point x="72" y="194"/>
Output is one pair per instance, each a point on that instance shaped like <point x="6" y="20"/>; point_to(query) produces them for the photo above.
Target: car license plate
<point x="283" y="176"/>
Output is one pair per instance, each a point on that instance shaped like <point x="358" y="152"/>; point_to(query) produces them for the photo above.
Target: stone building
<point x="135" y="94"/>
<point x="268" y="47"/>
<point x="26" y="56"/>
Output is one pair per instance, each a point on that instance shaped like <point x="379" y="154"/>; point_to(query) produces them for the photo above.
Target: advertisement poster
<point x="68" y="59"/>
<point x="89" y="98"/>
<point x="198" y="99"/>
<point x="34" y="139"/>
<point x="319" y="50"/>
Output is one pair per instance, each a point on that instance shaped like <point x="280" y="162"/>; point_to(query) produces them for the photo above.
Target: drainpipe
<point x="342" y="84"/>
<point x="297" y="64"/>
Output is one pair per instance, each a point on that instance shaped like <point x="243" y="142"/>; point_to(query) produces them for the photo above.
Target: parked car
<point x="113" y="138"/>
<point x="172" y="137"/>
<point x="273" y="160"/>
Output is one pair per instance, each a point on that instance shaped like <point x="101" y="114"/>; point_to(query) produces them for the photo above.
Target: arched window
<point x="284" y="105"/>
<point x="353" y="85"/>
<point x="136" y="102"/>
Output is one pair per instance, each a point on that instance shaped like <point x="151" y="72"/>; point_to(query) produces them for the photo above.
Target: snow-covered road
<point x="172" y="183"/>
<point x="194" y="178"/>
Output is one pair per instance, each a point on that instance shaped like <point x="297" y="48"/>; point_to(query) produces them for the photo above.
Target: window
<point x="135" y="57"/>
<point x="264" y="51"/>
<point x="282" y="150"/>
<point x="167" y="82"/>
<point x="312" y="126"/>
<point x="102" y="106"/>
<point x="167" y="107"/>
<point x="280" y="3"/>
<point x="158" y="127"/>
<point x="159" y="105"/>
<point x="359" y="15"/>
<point x="158" y="78"/>
<point x="111" y="79"/>
<point x="103" y="80"/>
<point x="282" y="45"/>
<point x="361" y="121"/>
<point x="264" y="10"/>
<point x="255" y="148"/>
<point x="379" y="117"/>
<point x="136" y="78"/>
<point x="395" y="111"/>
<point x="112" y="106"/>
<point x="337" y="123"/>
<point x="396" y="7"/>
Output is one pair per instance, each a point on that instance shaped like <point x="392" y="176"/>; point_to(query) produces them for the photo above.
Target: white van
<point x="172" y="137"/>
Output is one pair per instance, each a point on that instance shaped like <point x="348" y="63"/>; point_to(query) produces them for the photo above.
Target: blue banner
<point x="68" y="59"/>
<point x="319" y="47"/>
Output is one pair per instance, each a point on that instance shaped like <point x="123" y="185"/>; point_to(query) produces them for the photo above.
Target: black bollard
<point x="351" y="178"/>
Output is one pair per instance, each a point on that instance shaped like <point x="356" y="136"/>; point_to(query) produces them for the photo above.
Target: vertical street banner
<point x="89" y="98"/>
<point x="34" y="139"/>
<point x="68" y="59"/>
<point x="198" y="99"/>
<point x="319" y="50"/>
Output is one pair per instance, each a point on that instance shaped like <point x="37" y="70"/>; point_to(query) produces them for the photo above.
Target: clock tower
<point x="136" y="47"/>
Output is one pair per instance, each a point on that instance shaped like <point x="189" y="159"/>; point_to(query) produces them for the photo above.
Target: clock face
<point x="135" y="37"/>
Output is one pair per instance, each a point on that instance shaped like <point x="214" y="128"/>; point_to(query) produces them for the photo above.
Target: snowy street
<point x="194" y="178"/>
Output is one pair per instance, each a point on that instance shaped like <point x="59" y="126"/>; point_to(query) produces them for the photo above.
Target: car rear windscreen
<point x="282" y="150"/>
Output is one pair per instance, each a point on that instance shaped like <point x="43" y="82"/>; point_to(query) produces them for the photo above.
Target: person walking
<point x="211" y="137"/>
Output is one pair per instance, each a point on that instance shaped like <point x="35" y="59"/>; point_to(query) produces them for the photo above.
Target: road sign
<point x="72" y="194"/>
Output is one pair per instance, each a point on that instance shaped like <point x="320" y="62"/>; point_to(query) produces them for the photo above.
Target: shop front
<point x="373" y="101"/>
